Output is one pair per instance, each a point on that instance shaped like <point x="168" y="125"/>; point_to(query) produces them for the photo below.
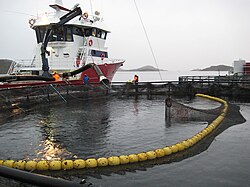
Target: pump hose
<point x="103" y="80"/>
<point x="35" y="179"/>
<point x="12" y="78"/>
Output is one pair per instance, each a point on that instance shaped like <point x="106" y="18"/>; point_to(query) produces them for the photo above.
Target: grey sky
<point x="184" y="34"/>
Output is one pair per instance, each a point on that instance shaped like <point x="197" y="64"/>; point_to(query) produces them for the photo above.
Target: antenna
<point x="91" y="7"/>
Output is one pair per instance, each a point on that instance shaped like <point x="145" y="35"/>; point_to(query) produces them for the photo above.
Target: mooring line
<point x="150" y="46"/>
<point x="58" y="93"/>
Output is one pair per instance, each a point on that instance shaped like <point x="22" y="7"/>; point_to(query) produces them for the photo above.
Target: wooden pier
<point x="237" y="89"/>
<point x="220" y="86"/>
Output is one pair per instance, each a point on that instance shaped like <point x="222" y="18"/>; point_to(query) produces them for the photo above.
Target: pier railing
<point x="221" y="86"/>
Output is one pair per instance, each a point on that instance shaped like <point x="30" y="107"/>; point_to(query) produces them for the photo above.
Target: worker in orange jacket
<point x="56" y="76"/>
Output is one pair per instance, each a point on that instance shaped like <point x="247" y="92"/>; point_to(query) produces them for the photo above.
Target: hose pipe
<point x="102" y="79"/>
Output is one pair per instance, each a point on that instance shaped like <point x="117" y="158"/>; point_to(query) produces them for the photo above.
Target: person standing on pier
<point x="135" y="81"/>
<point x="86" y="79"/>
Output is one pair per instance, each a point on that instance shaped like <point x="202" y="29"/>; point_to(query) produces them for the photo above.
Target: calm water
<point x="162" y="75"/>
<point x="104" y="127"/>
<point x="115" y="126"/>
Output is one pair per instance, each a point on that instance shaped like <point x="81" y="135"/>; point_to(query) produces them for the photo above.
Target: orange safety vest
<point x="56" y="77"/>
<point x="136" y="79"/>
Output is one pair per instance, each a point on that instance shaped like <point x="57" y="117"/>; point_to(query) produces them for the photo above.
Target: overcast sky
<point x="184" y="34"/>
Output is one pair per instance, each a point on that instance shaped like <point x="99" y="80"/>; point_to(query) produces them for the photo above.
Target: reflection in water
<point x="136" y="110"/>
<point x="50" y="150"/>
<point x="76" y="130"/>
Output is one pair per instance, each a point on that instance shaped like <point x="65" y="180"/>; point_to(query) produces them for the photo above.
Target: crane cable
<point x="144" y="29"/>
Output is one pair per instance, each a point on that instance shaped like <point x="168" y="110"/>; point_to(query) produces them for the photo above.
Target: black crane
<point x="52" y="27"/>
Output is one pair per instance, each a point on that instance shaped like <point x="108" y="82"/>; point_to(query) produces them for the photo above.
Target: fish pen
<point x="47" y="92"/>
<point x="235" y="89"/>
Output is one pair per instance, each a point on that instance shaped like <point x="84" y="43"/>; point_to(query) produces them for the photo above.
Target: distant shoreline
<point x="144" y="68"/>
<point x="151" y="68"/>
<point x="125" y="70"/>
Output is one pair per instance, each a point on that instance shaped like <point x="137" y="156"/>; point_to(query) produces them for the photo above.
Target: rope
<point x="58" y="93"/>
<point x="144" y="29"/>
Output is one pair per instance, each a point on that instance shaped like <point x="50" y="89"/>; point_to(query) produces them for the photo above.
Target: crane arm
<point x="52" y="27"/>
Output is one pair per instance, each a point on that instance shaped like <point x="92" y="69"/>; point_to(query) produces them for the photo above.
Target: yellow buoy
<point x="124" y="159"/>
<point x="151" y="155"/>
<point x="185" y="144"/>
<point x="30" y="165"/>
<point x="212" y="126"/>
<point x="205" y="132"/>
<point x="67" y="164"/>
<point x="42" y="165"/>
<point x="91" y="163"/>
<point x="20" y="164"/>
<point x="114" y="161"/>
<point x="167" y="150"/>
<point x="79" y="164"/>
<point x="198" y="137"/>
<point x="133" y="158"/>
<point x="191" y="142"/>
<point x="8" y="163"/>
<point x="180" y="147"/>
<point x="174" y="148"/>
<point x="102" y="162"/>
<point x="159" y="153"/>
<point x="142" y="156"/>
<point x="223" y="114"/>
<point x="194" y="139"/>
<point x="55" y="165"/>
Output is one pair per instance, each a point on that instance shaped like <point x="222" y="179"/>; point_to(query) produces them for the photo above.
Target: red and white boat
<point x="67" y="39"/>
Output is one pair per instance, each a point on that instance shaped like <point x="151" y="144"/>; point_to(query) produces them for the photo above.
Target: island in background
<point x="211" y="68"/>
<point x="216" y="68"/>
<point x="144" y="68"/>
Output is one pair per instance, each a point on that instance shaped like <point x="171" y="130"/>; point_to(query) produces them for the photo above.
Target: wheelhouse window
<point x="88" y="32"/>
<point x="40" y="32"/>
<point x="104" y="35"/>
<point x="66" y="32"/>
<point x="96" y="33"/>
<point x="78" y="31"/>
<point x="63" y="33"/>
<point x="97" y="53"/>
<point x="57" y="35"/>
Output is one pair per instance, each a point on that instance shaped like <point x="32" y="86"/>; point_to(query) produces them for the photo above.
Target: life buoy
<point x="78" y="62"/>
<point x="85" y="15"/>
<point x="102" y="56"/>
<point x="32" y="22"/>
<point x="90" y="42"/>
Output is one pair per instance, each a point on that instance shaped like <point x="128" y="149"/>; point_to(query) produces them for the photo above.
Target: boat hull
<point x="108" y="71"/>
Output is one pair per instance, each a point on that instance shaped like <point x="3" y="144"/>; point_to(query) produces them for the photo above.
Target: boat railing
<point x="197" y="78"/>
<point x="52" y="15"/>
<point x="99" y="60"/>
<point x="25" y="63"/>
<point x="215" y="79"/>
<point x="59" y="63"/>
